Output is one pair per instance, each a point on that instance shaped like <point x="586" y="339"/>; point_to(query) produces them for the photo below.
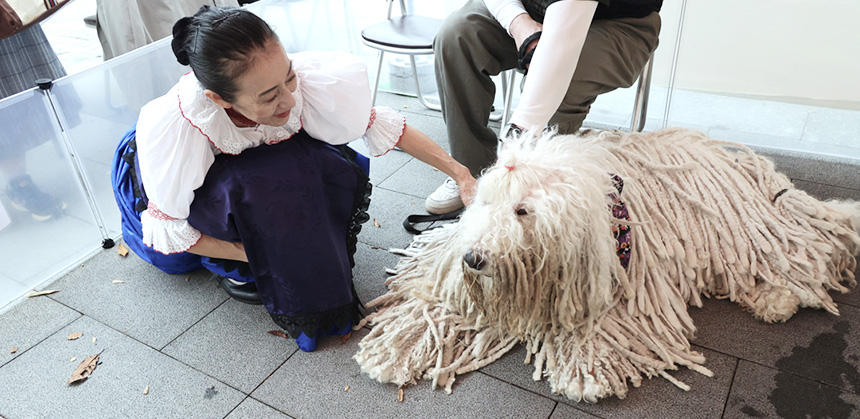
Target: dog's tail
<point x="850" y="208"/>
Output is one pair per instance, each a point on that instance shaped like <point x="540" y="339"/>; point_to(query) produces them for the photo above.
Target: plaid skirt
<point x="25" y="57"/>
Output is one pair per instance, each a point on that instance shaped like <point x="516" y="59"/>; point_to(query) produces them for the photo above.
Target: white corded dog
<point x="596" y="281"/>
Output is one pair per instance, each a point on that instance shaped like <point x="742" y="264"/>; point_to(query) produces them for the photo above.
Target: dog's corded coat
<point x="708" y="218"/>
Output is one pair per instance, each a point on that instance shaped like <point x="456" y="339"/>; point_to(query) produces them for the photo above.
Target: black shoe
<point x="246" y="292"/>
<point x="25" y="196"/>
<point x="90" y="20"/>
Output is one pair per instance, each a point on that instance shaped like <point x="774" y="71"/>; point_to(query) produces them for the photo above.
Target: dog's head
<point x="536" y="246"/>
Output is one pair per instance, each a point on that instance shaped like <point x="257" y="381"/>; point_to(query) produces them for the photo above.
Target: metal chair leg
<point x="496" y="117"/>
<point x="424" y="101"/>
<point x="376" y="82"/>
<point x="640" y="107"/>
<point x="509" y="97"/>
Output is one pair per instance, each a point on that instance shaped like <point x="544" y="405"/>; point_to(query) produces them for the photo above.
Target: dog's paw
<point x="775" y="304"/>
<point x="585" y="385"/>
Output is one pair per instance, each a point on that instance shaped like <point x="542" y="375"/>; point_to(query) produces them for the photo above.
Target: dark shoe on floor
<point x="90" y="20"/>
<point x="25" y="196"/>
<point x="245" y="292"/>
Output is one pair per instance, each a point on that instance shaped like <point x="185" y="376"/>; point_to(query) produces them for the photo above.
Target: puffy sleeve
<point x="337" y="107"/>
<point x="174" y="157"/>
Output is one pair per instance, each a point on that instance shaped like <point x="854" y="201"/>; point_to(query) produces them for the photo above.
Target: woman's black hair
<point x="218" y="43"/>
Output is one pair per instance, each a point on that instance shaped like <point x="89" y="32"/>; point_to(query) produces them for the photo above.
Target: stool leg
<point x="424" y="101"/>
<point x="509" y="97"/>
<point x="376" y="82"/>
<point x="640" y="107"/>
<point x="496" y="117"/>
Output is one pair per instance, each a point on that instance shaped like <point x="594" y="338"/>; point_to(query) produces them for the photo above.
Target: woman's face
<point x="266" y="87"/>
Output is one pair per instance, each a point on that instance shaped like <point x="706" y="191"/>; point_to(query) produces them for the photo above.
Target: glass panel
<point x="99" y="105"/>
<point x="791" y="86"/>
<point x="38" y="241"/>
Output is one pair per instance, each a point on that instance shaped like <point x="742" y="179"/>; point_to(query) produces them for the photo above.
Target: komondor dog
<point x="588" y="249"/>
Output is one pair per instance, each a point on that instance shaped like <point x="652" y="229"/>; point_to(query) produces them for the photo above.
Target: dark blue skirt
<point x="296" y="206"/>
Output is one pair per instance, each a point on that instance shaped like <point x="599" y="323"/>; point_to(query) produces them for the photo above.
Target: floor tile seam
<point x="851" y="306"/>
<point x="399" y="192"/>
<point x="104" y="322"/>
<point x="43" y="339"/>
<point x="270" y="406"/>
<point x="818" y="183"/>
<point x="248" y="396"/>
<point x="205" y="374"/>
<point x="848" y="303"/>
<point x="263" y="381"/>
<point x="814" y="380"/>
<point x="158" y="351"/>
<point x="562" y="399"/>
<point x="392" y="173"/>
<point x="237" y="405"/>
<point x="374" y="246"/>
<point x="198" y="320"/>
<point x="731" y="386"/>
<point x="775" y="369"/>
<point x="552" y="411"/>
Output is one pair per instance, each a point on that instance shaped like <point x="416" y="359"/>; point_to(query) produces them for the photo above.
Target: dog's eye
<point x="522" y="211"/>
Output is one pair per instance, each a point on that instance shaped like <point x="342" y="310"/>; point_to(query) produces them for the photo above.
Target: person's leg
<point x="613" y="56"/>
<point x="292" y="206"/>
<point x="470" y="47"/>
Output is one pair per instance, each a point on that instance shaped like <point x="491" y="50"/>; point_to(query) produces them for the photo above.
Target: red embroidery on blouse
<point x="402" y="132"/>
<point x="154" y="212"/>
<point x="372" y="118"/>
<point x="181" y="112"/>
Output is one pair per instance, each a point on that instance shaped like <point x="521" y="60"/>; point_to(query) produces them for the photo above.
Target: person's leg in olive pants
<point x="471" y="46"/>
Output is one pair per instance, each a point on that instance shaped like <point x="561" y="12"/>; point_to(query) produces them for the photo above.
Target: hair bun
<point x="181" y="33"/>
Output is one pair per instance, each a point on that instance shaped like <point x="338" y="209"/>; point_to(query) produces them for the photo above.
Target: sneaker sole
<point x="37" y="217"/>
<point x="442" y="209"/>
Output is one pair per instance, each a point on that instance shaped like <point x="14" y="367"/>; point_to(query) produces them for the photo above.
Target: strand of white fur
<point x="718" y="235"/>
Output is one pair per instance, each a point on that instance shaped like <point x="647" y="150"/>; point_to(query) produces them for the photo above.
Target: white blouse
<point x="179" y="135"/>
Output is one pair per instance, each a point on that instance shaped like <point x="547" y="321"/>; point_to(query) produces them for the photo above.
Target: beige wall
<point x="794" y="50"/>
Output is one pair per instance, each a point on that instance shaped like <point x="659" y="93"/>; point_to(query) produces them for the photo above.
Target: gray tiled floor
<point x="183" y="337"/>
<point x="149" y="305"/>
<point x="34" y="384"/>
<point x="204" y="355"/>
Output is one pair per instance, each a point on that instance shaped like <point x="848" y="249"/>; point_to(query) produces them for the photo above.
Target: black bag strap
<point x="411" y="222"/>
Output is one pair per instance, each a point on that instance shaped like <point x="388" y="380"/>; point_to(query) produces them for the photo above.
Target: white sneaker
<point x="444" y="199"/>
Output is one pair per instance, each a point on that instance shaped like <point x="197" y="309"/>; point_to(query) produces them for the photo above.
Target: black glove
<point x="524" y="57"/>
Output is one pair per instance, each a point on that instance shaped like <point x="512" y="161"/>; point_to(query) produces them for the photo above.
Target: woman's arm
<point x="215" y="248"/>
<point x="422" y="147"/>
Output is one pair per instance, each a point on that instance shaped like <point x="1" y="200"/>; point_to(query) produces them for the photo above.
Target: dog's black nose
<point x="474" y="260"/>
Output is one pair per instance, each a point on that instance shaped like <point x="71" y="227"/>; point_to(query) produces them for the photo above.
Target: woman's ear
<point x="215" y="97"/>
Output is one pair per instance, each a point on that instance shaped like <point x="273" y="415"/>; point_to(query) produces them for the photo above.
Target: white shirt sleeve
<point x="174" y="157"/>
<point x="564" y="30"/>
<point x="505" y="11"/>
<point x="337" y="107"/>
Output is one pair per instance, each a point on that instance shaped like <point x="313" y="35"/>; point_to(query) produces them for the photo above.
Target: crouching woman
<point x="242" y="167"/>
